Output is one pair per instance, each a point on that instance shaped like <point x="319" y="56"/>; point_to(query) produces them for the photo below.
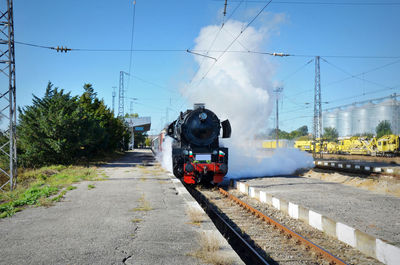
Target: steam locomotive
<point x="196" y="153"/>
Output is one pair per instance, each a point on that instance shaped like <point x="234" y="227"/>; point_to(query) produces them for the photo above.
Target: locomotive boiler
<point x="196" y="152"/>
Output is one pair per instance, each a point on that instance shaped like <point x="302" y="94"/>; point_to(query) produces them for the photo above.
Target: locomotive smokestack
<point x="198" y="105"/>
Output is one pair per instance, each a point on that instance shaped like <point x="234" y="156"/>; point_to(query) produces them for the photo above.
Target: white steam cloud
<point x="239" y="88"/>
<point x="165" y="157"/>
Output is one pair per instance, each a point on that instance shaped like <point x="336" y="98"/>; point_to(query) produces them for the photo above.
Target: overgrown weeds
<point x="196" y="215"/>
<point x="144" y="205"/>
<point x="38" y="186"/>
<point x="210" y="244"/>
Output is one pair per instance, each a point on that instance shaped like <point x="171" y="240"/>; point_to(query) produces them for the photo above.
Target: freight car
<point x="196" y="152"/>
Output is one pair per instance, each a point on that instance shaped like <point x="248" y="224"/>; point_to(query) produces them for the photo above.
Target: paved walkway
<point x="105" y="225"/>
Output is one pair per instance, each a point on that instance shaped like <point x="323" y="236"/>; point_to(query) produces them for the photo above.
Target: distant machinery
<point x="363" y="117"/>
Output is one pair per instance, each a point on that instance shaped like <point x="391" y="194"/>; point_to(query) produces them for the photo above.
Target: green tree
<point x="303" y="130"/>
<point x="132" y="115"/>
<point x="383" y="128"/>
<point x="147" y="142"/>
<point x="49" y="130"/>
<point x="61" y="129"/>
<point x="330" y="134"/>
<point x="140" y="139"/>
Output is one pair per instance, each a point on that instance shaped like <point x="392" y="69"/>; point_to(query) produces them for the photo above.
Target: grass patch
<point x="36" y="186"/>
<point x="72" y="187"/>
<point x="196" y="215"/>
<point x="144" y="205"/>
<point x="208" y="251"/>
<point x="91" y="186"/>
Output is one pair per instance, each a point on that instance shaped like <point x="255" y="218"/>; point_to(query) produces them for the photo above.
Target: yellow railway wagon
<point x="271" y="144"/>
<point x="304" y="145"/>
<point x="388" y="145"/>
<point x="355" y="146"/>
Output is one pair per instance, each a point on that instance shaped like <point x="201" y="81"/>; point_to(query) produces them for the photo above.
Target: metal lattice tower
<point x="113" y="98"/>
<point x="8" y="94"/>
<point x="317" y="130"/>
<point x="121" y="96"/>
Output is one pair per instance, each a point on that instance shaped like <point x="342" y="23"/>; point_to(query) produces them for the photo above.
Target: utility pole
<point x="8" y="94"/>
<point x="131" y="107"/>
<point x="277" y="91"/>
<point x="113" y="98"/>
<point x="317" y="110"/>
<point x="121" y="95"/>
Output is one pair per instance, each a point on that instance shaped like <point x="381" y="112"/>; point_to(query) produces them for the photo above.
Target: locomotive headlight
<point x="203" y="116"/>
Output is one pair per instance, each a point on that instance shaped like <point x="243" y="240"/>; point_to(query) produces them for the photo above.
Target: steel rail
<point x="238" y="243"/>
<point x="310" y="245"/>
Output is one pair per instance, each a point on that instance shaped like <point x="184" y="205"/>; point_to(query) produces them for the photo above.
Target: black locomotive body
<point x="196" y="153"/>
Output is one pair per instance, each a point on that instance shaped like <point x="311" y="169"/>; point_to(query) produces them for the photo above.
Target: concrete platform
<point x="365" y="220"/>
<point x="137" y="216"/>
<point x="365" y="167"/>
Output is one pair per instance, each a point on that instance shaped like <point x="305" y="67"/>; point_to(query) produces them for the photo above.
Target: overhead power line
<point x="297" y="70"/>
<point x="237" y="37"/>
<point x="343" y="3"/>
<point x="365" y="72"/>
<point x="204" y="55"/>
<point x="354" y="76"/>
<point x="277" y="54"/>
<point x="132" y="35"/>
<point x="213" y="41"/>
<point x="100" y="50"/>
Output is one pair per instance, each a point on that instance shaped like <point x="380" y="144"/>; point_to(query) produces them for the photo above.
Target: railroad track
<point x="257" y="238"/>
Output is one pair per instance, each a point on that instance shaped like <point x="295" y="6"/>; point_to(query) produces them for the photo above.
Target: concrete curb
<point x="367" y="244"/>
<point x="354" y="167"/>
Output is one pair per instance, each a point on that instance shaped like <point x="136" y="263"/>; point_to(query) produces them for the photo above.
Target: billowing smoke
<point x="239" y="88"/>
<point x="165" y="157"/>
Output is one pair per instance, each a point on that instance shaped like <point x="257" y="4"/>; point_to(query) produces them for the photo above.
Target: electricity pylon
<point x="8" y="94"/>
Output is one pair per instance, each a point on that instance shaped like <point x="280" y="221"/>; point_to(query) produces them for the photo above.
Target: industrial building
<point x="363" y="117"/>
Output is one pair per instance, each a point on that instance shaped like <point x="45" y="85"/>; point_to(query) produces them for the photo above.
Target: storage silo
<point x="388" y="110"/>
<point x="329" y="119"/>
<point x="396" y="124"/>
<point x="370" y="117"/>
<point x="344" y="122"/>
<point x="359" y="120"/>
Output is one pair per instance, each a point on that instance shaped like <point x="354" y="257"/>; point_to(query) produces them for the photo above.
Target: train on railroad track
<point x="197" y="156"/>
<point x="387" y="145"/>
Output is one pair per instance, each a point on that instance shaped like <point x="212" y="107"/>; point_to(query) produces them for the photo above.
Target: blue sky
<point x="315" y="29"/>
